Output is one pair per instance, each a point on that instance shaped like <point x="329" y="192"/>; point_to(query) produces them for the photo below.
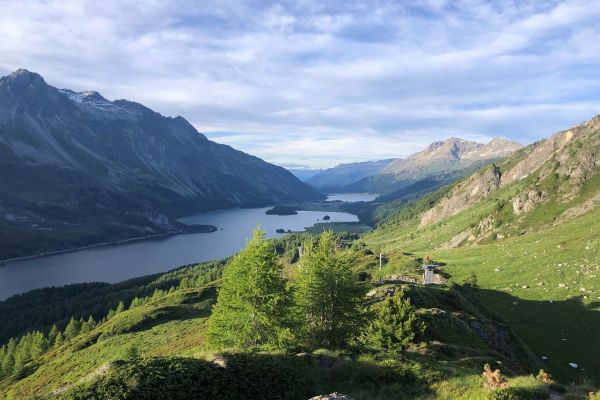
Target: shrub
<point x="396" y="325"/>
<point x="493" y="379"/>
<point x="544" y="377"/>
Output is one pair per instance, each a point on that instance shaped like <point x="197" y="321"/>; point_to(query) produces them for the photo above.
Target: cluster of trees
<point x="15" y="354"/>
<point x="321" y="307"/>
<point x="57" y="305"/>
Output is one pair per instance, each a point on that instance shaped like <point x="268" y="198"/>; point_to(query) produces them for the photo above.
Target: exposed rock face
<point x="463" y="195"/>
<point x="123" y="147"/>
<point x="571" y="156"/>
<point x="540" y="152"/>
<point x="526" y="202"/>
<point x="452" y="153"/>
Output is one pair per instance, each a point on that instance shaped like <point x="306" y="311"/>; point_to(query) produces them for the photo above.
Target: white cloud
<point x="313" y="83"/>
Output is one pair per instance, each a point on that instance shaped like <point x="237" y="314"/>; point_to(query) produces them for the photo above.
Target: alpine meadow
<point x="300" y="200"/>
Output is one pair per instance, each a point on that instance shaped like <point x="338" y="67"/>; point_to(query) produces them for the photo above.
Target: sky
<point x="316" y="83"/>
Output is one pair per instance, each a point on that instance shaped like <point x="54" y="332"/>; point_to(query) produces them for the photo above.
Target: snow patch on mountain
<point x="92" y="99"/>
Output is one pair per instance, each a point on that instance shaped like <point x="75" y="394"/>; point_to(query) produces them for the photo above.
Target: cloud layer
<point x="317" y="83"/>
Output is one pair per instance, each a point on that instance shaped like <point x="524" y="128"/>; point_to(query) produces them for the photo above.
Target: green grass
<point x="545" y="313"/>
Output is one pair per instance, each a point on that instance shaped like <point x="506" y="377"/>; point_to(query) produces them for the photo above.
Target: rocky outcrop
<point x="539" y="153"/>
<point x="571" y="156"/>
<point x="464" y="195"/>
<point x="526" y="202"/>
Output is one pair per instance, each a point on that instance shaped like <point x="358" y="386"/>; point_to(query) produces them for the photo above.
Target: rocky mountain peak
<point x="21" y="80"/>
<point x="451" y="148"/>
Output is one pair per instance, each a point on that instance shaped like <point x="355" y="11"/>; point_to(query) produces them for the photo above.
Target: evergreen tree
<point x="59" y="340"/>
<point x="8" y="364"/>
<point x="328" y="295"/>
<point x="89" y="325"/>
<point x="52" y="335"/>
<point x="19" y="364"/>
<point x="73" y="328"/>
<point x="39" y="344"/>
<point x="396" y="324"/>
<point x="252" y="301"/>
<point x="120" y="308"/>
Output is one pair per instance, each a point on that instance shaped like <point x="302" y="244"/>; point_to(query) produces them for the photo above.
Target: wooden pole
<point x="380" y="269"/>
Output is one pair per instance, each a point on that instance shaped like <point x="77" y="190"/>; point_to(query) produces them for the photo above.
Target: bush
<point x="245" y="377"/>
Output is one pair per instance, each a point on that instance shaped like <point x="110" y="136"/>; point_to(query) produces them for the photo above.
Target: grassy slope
<point x="540" y="259"/>
<point x="173" y="326"/>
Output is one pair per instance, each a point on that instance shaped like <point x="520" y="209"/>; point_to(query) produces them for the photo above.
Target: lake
<point x="116" y="263"/>
<point x="352" y="197"/>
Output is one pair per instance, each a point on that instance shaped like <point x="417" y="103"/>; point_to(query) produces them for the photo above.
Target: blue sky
<point x="316" y="83"/>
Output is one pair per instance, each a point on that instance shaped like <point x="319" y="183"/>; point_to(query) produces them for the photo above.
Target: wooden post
<point x="380" y="269"/>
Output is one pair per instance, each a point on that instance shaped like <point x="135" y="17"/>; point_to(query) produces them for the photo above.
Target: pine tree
<point x="19" y="364"/>
<point x="8" y="364"/>
<point x="120" y="308"/>
<point x="328" y="295"/>
<point x="73" y="328"/>
<point x="252" y="301"/>
<point x="52" y="335"/>
<point x="88" y="325"/>
<point x="59" y="340"/>
<point x="39" y="344"/>
<point x="396" y="324"/>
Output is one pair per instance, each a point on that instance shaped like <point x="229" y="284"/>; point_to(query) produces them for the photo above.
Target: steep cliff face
<point x="67" y="157"/>
<point x="465" y="194"/>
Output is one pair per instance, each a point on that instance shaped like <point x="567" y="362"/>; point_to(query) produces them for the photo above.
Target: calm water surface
<point x="120" y="262"/>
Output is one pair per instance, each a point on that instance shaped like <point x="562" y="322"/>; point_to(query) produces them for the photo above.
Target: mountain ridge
<point x="87" y="159"/>
<point x="442" y="161"/>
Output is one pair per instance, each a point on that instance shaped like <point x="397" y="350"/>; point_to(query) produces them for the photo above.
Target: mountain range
<point x="345" y="174"/>
<point x="438" y="164"/>
<point x="78" y="166"/>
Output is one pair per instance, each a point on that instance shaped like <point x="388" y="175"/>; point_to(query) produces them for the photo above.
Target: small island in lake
<point x="196" y="228"/>
<point x="326" y="218"/>
<point x="280" y="230"/>
<point x="282" y="210"/>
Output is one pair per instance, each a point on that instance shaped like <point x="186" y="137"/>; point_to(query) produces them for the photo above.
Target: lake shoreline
<point x="182" y="231"/>
<point x="118" y="260"/>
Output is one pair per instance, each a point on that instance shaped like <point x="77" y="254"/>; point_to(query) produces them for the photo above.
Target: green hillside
<point x="154" y="346"/>
<point x="517" y="249"/>
<point x="531" y="237"/>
